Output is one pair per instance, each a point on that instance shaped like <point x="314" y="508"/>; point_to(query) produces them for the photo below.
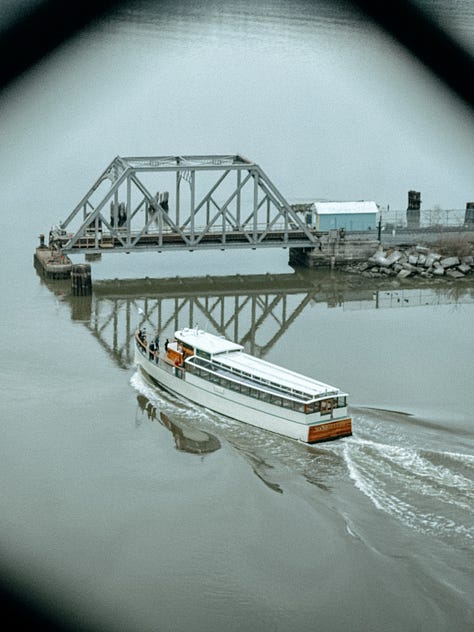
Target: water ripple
<point x="429" y="491"/>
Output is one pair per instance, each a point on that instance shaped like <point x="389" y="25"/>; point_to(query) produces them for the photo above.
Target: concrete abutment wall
<point x="333" y="252"/>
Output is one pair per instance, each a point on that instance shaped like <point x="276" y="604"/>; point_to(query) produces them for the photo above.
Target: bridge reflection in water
<point x="254" y="310"/>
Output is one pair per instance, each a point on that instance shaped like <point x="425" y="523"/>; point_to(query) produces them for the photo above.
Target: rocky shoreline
<point x="416" y="261"/>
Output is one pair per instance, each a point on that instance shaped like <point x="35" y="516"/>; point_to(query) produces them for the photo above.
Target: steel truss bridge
<point x="181" y="203"/>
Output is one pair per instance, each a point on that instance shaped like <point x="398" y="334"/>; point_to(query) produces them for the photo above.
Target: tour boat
<point x="216" y="373"/>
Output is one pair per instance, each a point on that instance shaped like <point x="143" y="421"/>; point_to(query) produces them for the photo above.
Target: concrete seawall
<point x="333" y="253"/>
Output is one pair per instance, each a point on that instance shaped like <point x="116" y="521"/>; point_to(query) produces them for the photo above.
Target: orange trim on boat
<point x="174" y="356"/>
<point x="330" y="430"/>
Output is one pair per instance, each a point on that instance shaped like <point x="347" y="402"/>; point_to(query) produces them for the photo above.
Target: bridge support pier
<point x="333" y="250"/>
<point x="50" y="263"/>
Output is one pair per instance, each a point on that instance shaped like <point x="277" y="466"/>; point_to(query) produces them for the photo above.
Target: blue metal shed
<point x="347" y="215"/>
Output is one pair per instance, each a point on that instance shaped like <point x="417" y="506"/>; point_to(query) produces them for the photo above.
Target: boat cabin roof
<point x="272" y="375"/>
<point x="230" y="356"/>
<point x="208" y="343"/>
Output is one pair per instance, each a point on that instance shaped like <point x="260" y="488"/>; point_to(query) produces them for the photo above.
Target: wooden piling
<point x="81" y="280"/>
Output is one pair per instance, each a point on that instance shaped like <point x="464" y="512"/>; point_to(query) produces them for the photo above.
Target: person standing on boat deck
<point x="157" y="342"/>
<point x="166" y="344"/>
<point x="151" y="350"/>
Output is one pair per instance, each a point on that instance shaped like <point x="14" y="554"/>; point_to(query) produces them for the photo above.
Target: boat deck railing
<point x="156" y="358"/>
<point x="272" y="394"/>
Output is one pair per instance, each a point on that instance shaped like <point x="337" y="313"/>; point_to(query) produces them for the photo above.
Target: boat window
<point x="341" y="402"/>
<point x="313" y="407"/>
<point x="263" y="381"/>
<point x="213" y="371"/>
<point x="203" y="354"/>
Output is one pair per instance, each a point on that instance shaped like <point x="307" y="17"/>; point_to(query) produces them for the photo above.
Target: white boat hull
<point x="303" y="427"/>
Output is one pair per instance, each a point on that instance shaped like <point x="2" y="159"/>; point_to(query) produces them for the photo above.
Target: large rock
<point x="421" y="260"/>
<point x="431" y="258"/>
<point x="464" y="268"/>
<point x="378" y="258"/>
<point x="455" y="274"/>
<point x="450" y="262"/>
<point x="439" y="271"/>
<point x="403" y="274"/>
<point x="413" y="259"/>
<point x="392" y="258"/>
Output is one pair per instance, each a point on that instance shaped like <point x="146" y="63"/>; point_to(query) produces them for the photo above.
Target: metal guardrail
<point x="436" y="219"/>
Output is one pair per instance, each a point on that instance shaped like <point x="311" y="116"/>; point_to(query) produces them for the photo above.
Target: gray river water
<point x="124" y="507"/>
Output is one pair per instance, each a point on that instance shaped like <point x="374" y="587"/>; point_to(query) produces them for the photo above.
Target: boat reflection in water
<point x="187" y="439"/>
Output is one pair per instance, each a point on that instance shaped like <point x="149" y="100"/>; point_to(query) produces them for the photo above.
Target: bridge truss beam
<point x="181" y="202"/>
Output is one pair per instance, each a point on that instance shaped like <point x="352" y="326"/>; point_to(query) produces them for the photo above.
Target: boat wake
<point x="171" y="404"/>
<point x="431" y="492"/>
<point x="273" y="458"/>
<point x="427" y="489"/>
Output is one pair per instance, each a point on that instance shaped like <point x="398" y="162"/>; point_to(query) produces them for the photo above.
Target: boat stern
<point x="330" y="430"/>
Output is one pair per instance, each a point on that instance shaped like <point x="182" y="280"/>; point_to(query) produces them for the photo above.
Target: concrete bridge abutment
<point x="333" y="251"/>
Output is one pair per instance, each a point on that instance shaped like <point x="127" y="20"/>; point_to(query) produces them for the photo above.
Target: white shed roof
<point x="334" y="208"/>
